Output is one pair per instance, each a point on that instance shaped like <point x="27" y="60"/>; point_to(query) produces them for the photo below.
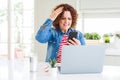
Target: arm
<point x="45" y="32"/>
<point x="81" y="38"/>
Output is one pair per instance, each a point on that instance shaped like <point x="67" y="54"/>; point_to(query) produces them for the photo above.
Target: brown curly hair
<point x="66" y="7"/>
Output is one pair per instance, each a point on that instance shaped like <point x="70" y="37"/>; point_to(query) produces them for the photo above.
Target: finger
<point x="59" y="10"/>
<point x="76" y="41"/>
<point x="69" y="43"/>
<point x="72" y="42"/>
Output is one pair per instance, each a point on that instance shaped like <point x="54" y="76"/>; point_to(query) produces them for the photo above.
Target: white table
<point x="20" y="70"/>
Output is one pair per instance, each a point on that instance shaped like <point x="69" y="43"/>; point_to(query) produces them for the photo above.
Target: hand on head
<point x="55" y="13"/>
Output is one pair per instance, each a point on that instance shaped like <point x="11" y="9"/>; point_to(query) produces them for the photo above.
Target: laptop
<point x="82" y="59"/>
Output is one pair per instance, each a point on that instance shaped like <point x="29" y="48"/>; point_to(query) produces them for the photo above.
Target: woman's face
<point x="65" y="21"/>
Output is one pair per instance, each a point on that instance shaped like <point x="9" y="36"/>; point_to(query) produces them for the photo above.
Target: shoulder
<point x="54" y="31"/>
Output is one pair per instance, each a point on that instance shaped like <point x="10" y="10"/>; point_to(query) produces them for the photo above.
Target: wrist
<point x="52" y="18"/>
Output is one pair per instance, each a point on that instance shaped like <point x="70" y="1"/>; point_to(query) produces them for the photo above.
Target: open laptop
<point x="82" y="59"/>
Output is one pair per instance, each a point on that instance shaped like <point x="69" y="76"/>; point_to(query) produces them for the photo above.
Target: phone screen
<point x="72" y="34"/>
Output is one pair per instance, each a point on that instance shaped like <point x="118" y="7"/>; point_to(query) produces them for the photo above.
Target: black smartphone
<point x="72" y="34"/>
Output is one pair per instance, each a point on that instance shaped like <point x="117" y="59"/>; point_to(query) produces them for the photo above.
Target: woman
<point x="63" y="18"/>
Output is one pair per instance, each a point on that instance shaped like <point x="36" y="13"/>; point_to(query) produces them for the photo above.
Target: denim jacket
<point x="53" y="36"/>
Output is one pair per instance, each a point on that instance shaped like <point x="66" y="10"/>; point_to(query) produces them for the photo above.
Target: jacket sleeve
<point x="45" y="32"/>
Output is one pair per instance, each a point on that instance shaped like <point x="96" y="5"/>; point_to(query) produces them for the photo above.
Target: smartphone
<point x="72" y="34"/>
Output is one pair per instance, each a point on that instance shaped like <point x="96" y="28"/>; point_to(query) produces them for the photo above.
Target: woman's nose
<point x="66" y="20"/>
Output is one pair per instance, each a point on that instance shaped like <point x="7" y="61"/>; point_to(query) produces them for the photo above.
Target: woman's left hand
<point x="55" y="13"/>
<point x="73" y="42"/>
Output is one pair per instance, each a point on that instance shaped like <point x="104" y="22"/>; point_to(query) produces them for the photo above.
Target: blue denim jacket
<point x="53" y="36"/>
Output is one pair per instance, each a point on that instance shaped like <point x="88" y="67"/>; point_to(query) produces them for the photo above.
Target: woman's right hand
<point x="55" y="13"/>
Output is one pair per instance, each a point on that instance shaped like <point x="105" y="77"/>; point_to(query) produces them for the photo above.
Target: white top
<point x="20" y="70"/>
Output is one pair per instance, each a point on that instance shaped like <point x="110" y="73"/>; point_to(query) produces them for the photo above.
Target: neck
<point x="64" y="31"/>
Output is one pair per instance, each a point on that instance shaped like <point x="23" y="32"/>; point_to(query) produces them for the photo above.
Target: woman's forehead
<point x="66" y="13"/>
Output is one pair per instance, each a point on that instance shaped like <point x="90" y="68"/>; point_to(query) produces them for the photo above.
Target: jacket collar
<point x="69" y="30"/>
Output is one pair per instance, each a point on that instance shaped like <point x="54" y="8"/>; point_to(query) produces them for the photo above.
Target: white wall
<point x="100" y="4"/>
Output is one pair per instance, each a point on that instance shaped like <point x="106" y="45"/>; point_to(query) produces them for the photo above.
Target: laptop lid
<point x="82" y="59"/>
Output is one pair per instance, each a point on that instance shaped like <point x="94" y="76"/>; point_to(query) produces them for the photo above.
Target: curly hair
<point x="66" y="7"/>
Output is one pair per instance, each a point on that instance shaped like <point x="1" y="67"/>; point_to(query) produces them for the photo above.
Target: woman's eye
<point x="63" y="18"/>
<point x="69" y="18"/>
<point x="66" y="18"/>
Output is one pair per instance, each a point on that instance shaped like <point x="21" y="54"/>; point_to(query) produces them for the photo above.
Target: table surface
<point x="20" y="70"/>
